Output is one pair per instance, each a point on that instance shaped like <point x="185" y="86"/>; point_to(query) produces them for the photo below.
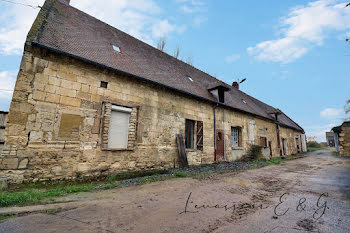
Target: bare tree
<point x="177" y="52"/>
<point x="347" y="107"/>
<point x="189" y="60"/>
<point x="161" y="43"/>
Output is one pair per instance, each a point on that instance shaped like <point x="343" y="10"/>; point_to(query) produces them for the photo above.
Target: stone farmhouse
<point x="92" y="100"/>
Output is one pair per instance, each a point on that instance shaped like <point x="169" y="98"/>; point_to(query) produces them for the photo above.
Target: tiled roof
<point x="65" y="29"/>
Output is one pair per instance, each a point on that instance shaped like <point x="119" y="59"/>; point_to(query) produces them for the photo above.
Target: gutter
<point x="215" y="146"/>
<point x="38" y="45"/>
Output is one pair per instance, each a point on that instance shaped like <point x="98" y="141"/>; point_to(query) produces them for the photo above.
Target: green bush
<point x="181" y="174"/>
<point x="254" y="153"/>
<point x="313" y="144"/>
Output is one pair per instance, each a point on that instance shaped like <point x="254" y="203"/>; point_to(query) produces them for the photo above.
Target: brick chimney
<point x="235" y="85"/>
<point x="65" y="2"/>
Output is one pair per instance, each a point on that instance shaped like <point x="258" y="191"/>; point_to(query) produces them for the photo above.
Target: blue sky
<point x="292" y="52"/>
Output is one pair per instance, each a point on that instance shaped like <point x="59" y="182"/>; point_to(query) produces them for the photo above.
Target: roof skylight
<point x="190" y="78"/>
<point x="116" y="48"/>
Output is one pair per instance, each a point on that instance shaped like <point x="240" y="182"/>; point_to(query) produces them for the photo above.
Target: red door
<point x="219" y="145"/>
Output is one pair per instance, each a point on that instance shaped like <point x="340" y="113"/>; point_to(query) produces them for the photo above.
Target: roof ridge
<point x="161" y="52"/>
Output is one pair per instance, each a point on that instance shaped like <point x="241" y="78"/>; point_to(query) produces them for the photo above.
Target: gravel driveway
<point x="311" y="194"/>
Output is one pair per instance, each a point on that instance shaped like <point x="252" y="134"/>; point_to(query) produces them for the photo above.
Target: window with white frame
<point x="118" y="132"/>
<point x="235" y="136"/>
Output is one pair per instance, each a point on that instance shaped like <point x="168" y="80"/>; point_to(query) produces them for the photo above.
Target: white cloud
<point x="163" y="28"/>
<point x="303" y="28"/>
<point x="15" y="24"/>
<point x="191" y="6"/>
<point x="7" y="84"/>
<point x="139" y="18"/>
<point x="331" y="112"/>
<point x="198" y="21"/>
<point x="232" y="58"/>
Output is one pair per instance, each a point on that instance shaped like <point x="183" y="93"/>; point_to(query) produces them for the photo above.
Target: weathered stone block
<point x="9" y="163"/>
<point x="39" y="95"/>
<point x="83" y="168"/>
<point x="3" y="184"/>
<point x="54" y="81"/>
<point x="52" y="98"/>
<point x="19" y="118"/>
<point x="70" y="101"/>
<point x="23" y="164"/>
<point x="57" y="170"/>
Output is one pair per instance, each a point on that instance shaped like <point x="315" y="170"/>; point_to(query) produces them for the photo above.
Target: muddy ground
<point x="304" y="195"/>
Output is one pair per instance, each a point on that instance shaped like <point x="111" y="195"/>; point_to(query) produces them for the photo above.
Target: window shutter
<point x="119" y="127"/>
<point x="118" y="130"/>
<point x="200" y="135"/>
<point x="263" y="141"/>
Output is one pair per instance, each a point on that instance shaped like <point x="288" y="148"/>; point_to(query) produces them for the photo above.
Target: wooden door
<point x="220" y="145"/>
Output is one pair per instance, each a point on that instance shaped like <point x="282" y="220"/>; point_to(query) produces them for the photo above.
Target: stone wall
<point x="3" y="121"/>
<point x="344" y="139"/>
<point x="59" y="116"/>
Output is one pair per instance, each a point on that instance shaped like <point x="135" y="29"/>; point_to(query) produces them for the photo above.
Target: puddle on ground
<point x="241" y="182"/>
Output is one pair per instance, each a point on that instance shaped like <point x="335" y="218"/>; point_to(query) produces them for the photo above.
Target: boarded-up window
<point x="70" y="126"/>
<point x="189" y="131"/>
<point x="119" y="127"/>
<point x="263" y="141"/>
<point x="200" y="135"/>
<point x="235" y="136"/>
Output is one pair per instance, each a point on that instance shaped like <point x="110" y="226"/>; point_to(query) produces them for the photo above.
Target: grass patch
<point x="136" y="174"/>
<point x="46" y="192"/>
<point x="6" y="217"/>
<point x="151" y="179"/>
<point x="52" y="212"/>
<point x="181" y="174"/>
<point x="273" y="161"/>
<point x="311" y="149"/>
<point x="32" y="196"/>
<point x="335" y="153"/>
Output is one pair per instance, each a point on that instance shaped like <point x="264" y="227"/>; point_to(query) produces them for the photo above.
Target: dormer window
<point x="221" y="96"/>
<point x="218" y="90"/>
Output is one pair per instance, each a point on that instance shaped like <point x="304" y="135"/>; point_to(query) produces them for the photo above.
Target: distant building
<point x="3" y="120"/>
<point x="330" y="139"/>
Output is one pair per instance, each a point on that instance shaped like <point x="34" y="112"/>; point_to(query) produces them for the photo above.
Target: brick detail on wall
<point x="107" y="110"/>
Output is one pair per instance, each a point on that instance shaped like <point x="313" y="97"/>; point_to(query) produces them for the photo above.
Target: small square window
<point x="104" y="84"/>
